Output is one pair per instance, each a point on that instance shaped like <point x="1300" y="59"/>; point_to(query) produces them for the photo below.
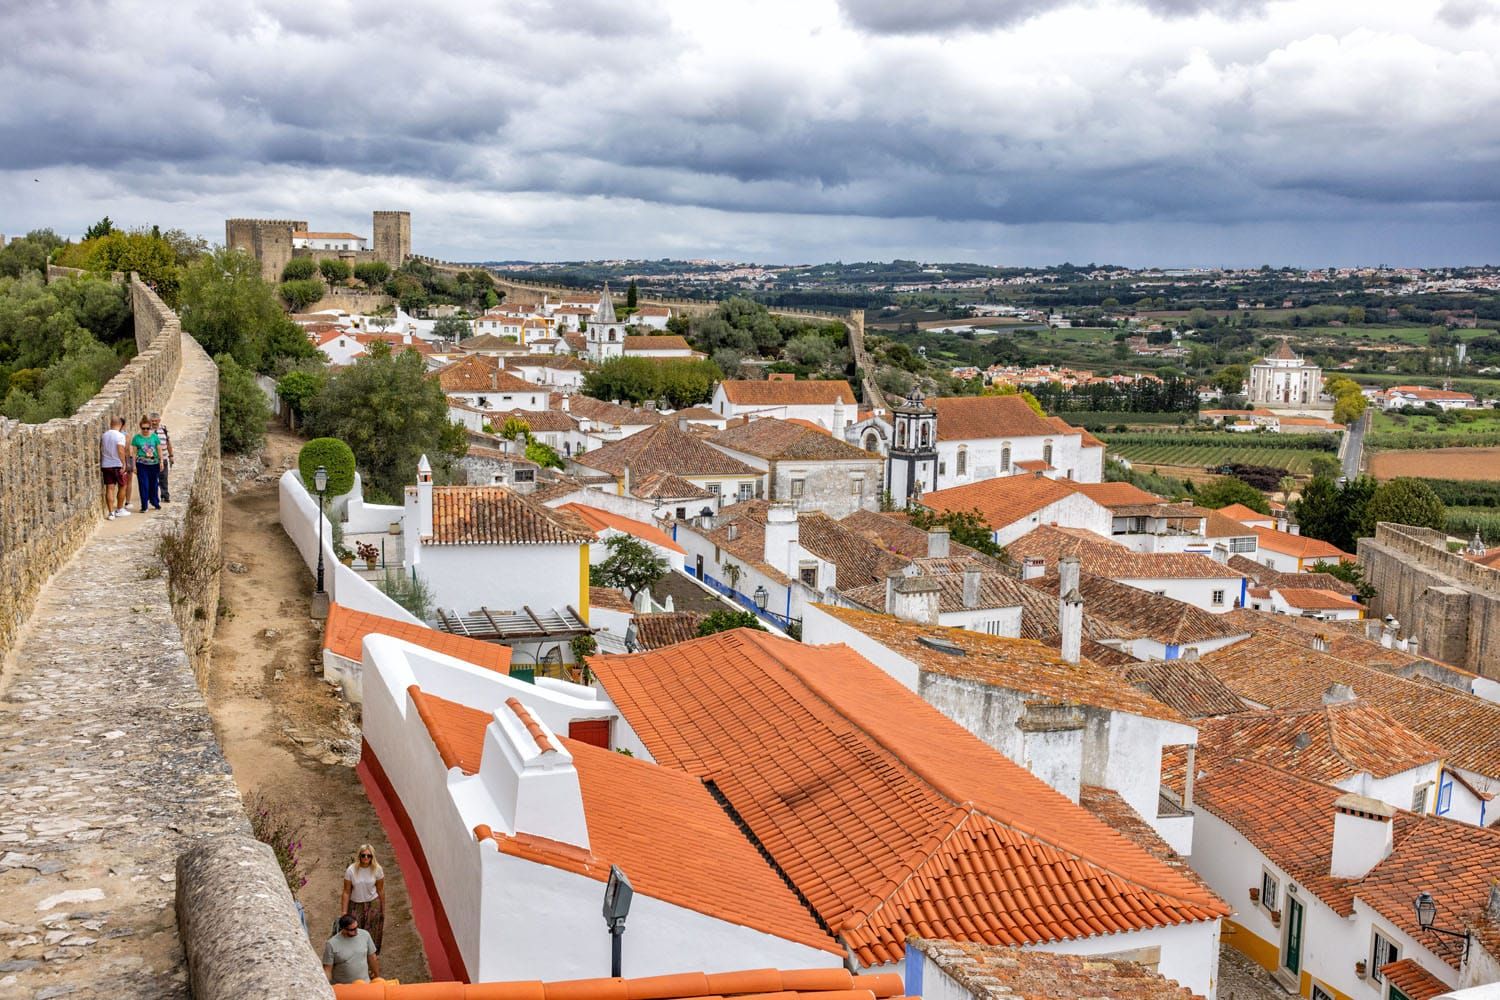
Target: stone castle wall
<point x="50" y="486"/>
<point x="1448" y="603"/>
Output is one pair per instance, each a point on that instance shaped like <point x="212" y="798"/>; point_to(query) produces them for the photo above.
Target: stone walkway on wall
<point x="108" y="763"/>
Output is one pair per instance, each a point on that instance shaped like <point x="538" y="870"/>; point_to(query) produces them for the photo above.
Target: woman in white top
<point x="364" y="893"/>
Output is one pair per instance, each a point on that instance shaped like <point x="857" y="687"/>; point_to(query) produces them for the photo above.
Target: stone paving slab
<point x="109" y="767"/>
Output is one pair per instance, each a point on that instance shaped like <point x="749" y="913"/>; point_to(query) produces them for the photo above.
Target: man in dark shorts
<point x="112" y="458"/>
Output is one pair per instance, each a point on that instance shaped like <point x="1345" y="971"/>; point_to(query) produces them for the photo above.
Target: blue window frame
<point x="1445" y="795"/>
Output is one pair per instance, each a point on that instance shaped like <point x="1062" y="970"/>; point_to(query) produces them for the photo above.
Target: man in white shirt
<point x="113" y="456"/>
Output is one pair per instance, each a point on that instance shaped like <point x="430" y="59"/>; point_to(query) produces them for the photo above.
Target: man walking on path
<point x="168" y="457"/>
<point x="112" y="458"/>
<point x="349" y="956"/>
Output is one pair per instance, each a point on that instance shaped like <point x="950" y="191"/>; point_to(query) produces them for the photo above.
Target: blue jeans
<point x="149" y="478"/>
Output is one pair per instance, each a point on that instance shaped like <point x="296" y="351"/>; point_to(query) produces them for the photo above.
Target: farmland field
<point x="1202" y="456"/>
<point x="1438" y="463"/>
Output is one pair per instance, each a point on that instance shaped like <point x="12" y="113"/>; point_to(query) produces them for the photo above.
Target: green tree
<point x="374" y="273"/>
<point x="723" y="621"/>
<point x="808" y="350"/>
<point x="337" y="461"/>
<point x="1228" y="490"/>
<point x="967" y="527"/>
<point x="229" y="310"/>
<point x="454" y="328"/>
<point x="298" y="386"/>
<point x="1006" y="389"/>
<point x="631" y="565"/>
<point x="1230" y="379"/>
<point x="1349" y="407"/>
<point x="142" y="251"/>
<point x="300" y="294"/>
<point x="544" y="455"/>
<point x="677" y="382"/>
<point x="631" y="294"/>
<point x="29" y="253"/>
<point x="101" y="228"/>
<point x="299" y="269"/>
<point x="391" y="414"/>
<point x="1355" y="315"/>
<point x="1351" y="573"/>
<point x="515" y="427"/>
<point x="334" y="271"/>
<point x="1405" y="501"/>
<point x="243" y="409"/>
<point x="1334" y="513"/>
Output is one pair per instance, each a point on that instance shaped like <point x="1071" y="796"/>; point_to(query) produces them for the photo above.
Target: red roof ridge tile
<point x="543" y="743"/>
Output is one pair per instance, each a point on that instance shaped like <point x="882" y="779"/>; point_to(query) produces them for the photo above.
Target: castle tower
<point x="911" y="463"/>
<point x="391" y="237"/>
<point x="267" y="240"/>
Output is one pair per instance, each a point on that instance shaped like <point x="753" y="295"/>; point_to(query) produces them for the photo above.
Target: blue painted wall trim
<point x="914" y="960"/>
<point x="1173" y="651"/>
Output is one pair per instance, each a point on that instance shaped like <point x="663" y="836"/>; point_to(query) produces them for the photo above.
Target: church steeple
<point x="604" y="312"/>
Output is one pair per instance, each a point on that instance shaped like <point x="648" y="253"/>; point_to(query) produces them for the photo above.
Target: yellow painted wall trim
<point x="583" y="582"/>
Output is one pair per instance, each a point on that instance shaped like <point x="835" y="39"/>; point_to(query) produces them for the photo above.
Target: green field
<point x="1207" y="450"/>
<point x="1463" y="520"/>
<point x="1468" y="422"/>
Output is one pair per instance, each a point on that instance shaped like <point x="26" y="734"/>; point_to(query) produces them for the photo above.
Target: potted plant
<point x="369" y="553"/>
<point x="1359" y="968"/>
<point x="1255" y="894"/>
<point x="1275" y="918"/>
<point x="343" y="554"/>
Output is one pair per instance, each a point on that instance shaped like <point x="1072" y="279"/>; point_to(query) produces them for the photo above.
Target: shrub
<point x="299" y="269"/>
<point x="301" y="293"/>
<point x="281" y="829"/>
<point x="334" y="271"/>
<point x="408" y="590"/>
<point x="335" y="456"/>
<point x="243" y="409"/>
<point x="723" y="621"/>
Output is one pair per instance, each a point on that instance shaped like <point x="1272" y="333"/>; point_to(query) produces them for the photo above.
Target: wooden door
<point x="1293" y="936"/>
<point x="594" y="732"/>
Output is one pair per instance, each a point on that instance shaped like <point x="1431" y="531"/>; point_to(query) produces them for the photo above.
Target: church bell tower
<point x="911" y="462"/>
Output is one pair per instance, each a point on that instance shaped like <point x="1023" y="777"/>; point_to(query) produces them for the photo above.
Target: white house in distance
<point x="830" y="404"/>
<point x="666" y="345"/>
<point x="882" y="812"/>
<point x="509" y="829"/>
<point x="651" y="317"/>
<point x="1013" y="506"/>
<point x="1154" y="627"/>
<point x="663" y="448"/>
<point x="327" y="241"/>
<point x="1070" y="723"/>
<point x="1398" y="396"/>
<point x="481" y="381"/>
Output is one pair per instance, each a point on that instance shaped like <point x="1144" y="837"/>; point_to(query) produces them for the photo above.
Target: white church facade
<point x="1283" y="380"/>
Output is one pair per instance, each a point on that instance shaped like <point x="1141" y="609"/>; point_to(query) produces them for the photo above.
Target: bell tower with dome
<point x="911" y="461"/>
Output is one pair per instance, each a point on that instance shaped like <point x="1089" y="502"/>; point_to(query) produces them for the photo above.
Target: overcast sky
<point x="1173" y="132"/>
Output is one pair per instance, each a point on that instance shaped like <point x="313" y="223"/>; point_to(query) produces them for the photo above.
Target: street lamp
<point x="761" y="597"/>
<point x="1426" y="908"/>
<point x="320" y="484"/>
<point x="617" y="895"/>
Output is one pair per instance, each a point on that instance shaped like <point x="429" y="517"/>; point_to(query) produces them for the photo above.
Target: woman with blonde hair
<point x="364" y="893"/>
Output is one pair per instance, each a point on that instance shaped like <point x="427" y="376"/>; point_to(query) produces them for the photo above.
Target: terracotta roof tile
<point x="1239" y="512"/>
<point x="1087" y="440"/>
<point x="1102" y="557"/>
<point x="1185" y="685"/>
<point x="1001" y="501"/>
<point x="1141" y="613"/>
<point x="666" y="628"/>
<point x="1313" y="599"/>
<point x="1299" y="546"/>
<point x="993" y="972"/>
<point x="664" y="448"/>
<point x="787" y="392"/>
<point x="1112" y="494"/>
<point x="659" y="342"/>
<point x="754" y="984"/>
<point x="602" y="520"/>
<point x="996" y="590"/>
<point x="481" y="373"/>
<point x="1414" y="982"/>
<point x="1330" y="743"/>
<point x="1013" y="664"/>
<point x="609" y="599"/>
<point x="1344" y="639"/>
<point x="858" y="562"/>
<point x="1281" y="675"/>
<point x="966" y="418"/>
<point x="345" y="630"/>
<point x="788" y="440"/>
<point x="494" y="515"/>
<point x="660" y="825"/>
<point x="889" y="818"/>
<point x="665" y="486"/>
<point x="893" y="532"/>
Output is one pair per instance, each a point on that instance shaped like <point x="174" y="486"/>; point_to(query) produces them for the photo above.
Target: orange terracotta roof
<point x="1001" y="501"/>
<point x="660" y="825"/>
<point x="1034" y="465"/>
<point x="1185" y="685"/>
<point x="787" y="392"/>
<point x="1087" y="440"/>
<point x="665" y="486"/>
<point x="1282" y="675"/>
<point x="481" y="373"/>
<point x="660" y="342"/>
<point x="1142" y="613"/>
<point x="1268" y="577"/>
<point x="1414" y="982"/>
<point x="761" y="984"/>
<point x="1103" y="557"/>
<point x="1311" y="599"/>
<point x="888" y="817"/>
<point x="345" y="630"/>
<point x="796" y="440"/>
<point x="1217" y="525"/>
<point x="1244" y="514"/>
<point x="664" y="448"/>
<point x="1330" y="743"/>
<point x="1013" y="664"/>
<point x="992" y="972"/>
<point x="603" y="520"/>
<point x="858" y="562"/>
<point x="967" y="418"/>
<point x="667" y="628"/>
<point x="609" y="599"/>
<point x="893" y="532"/>
<point x="1112" y="494"/>
<point x="494" y="515"/>
<point x="1300" y="546"/>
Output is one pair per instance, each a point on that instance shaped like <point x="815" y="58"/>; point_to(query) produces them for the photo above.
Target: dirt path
<point x="289" y="737"/>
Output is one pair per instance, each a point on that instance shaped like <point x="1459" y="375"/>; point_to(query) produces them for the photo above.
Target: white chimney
<point x="937" y="543"/>
<point x="838" y="417"/>
<point x="531" y="778"/>
<point x="424" y="497"/>
<point x="972" y="576"/>
<point x="1361" y="835"/>
<point x="1069" y="609"/>
<point x="781" y="537"/>
<point x="1220" y="554"/>
<point x="1338" y="694"/>
<point x="565" y="404"/>
<point x="625" y="481"/>
<point x="1052" y="744"/>
<point x="914" y="598"/>
<point x="1320" y="643"/>
<point x="1033" y="567"/>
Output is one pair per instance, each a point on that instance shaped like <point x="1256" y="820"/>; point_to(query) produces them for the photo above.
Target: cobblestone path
<point x="108" y="763"/>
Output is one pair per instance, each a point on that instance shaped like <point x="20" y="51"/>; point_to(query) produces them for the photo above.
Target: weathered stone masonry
<point x="49" y="473"/>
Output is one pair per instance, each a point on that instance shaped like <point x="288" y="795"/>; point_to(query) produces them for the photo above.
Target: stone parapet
<point x="49" y="473"/>
<point x="240" y="929"/>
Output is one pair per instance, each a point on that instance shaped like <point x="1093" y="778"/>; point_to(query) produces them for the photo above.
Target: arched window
<point x="1047" y="453"/>
<point x="1005" y="459"/>
<point x="901" y="433"/>
<point x="872" y="441"/>
<point x="961" y="467"/>
<point x="924" y="441"/>
<point x="611" y="336"/>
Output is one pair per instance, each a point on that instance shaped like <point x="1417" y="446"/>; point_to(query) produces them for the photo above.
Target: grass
<point x="1205" y="450"/>
<point x="1480" y="422"/>
<point x="1463" y="520"/>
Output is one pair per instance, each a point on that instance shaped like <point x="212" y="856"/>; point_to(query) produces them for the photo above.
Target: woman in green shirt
<point x="146" y="447"/>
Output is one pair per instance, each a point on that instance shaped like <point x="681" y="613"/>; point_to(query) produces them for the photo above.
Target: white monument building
<point x="1283" y="380"/>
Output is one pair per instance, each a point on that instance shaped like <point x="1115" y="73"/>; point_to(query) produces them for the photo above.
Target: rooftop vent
<point x="1303" y="741"/>
<point x="940" y="644"/>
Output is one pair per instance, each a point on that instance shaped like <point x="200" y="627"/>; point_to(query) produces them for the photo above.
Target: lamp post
<point x="320" y="485"/>
<point x="1426" y="908"/>
<point x="761" y="596"/>
<point x="617" y="895"/>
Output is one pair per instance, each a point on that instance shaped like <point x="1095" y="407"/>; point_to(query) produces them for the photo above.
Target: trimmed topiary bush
<point x="335" y="457"/>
